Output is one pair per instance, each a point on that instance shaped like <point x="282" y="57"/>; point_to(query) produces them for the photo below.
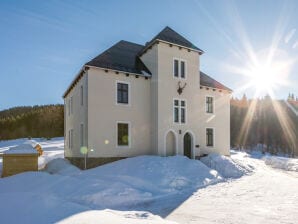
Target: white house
<point x="146" y="99"/>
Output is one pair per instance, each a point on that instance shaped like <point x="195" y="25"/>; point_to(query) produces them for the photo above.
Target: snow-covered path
<point x="266" y="196"/>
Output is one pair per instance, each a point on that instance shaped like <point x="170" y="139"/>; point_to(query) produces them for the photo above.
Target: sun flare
<point x="265" y="79"/>
<point x="264" y="73"/>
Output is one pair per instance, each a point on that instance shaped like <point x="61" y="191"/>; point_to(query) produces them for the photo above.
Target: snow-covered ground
<point x="52" y="149"/>
<point x="152" y="189"/>
<point x="267" y="195"/>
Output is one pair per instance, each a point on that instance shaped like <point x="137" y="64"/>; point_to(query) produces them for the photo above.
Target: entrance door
<point x="187" y="142"/>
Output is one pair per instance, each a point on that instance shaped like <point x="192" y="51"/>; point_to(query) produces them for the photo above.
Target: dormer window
<point x="179" y="68"/>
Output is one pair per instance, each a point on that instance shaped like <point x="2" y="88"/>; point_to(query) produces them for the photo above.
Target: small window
<point x="123" y="134"/>
<point x="209" y="105"/>
<point x="182" y="69"/>
<point x="209" y="137"/>
<point x="82" y="96"/>
<point x="180" y="111"/>
<point x="176" y="68"/>
<point x="82" y="135"/>
<point x="176" y="111"/>
<point x="122" y="93"/>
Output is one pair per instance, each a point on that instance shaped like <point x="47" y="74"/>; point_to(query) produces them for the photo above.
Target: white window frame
<point x="213" y="130"/>
<point x="179" y="111"/>
<point x="116" y="93"/>
<point x="129" y="134"/>
<point x="179" y="68"/>
<point x="213" y="104"/>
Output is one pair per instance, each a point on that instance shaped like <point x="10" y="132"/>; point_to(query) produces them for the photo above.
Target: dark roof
<point x="206" y="80"/>
<point x="122" y="57"/>
<point x="171" y="36"/>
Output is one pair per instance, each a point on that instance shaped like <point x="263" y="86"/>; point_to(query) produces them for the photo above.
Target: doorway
<point x="187" y="145"/>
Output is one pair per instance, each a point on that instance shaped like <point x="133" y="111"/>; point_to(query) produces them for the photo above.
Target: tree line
<point x="270" y="124"/>
<point x="32" y="121"/>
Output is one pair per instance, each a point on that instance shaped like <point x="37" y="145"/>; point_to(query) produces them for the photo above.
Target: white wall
<point x="78" y="117"/>
<point x="103" y="114"/>
<point x="219" y="120"/>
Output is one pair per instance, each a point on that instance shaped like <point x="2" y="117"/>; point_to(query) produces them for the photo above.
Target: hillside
<point x="37" y="121"/>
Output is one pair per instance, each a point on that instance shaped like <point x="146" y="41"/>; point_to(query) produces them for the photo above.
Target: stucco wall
<point x="167" y="88"/>
<point x="75" y="119"/>
<point x="219" y="121"/>
<point x="150" y="59"/>
<point x="164" y="89"/>
<point x="103" y="114"/>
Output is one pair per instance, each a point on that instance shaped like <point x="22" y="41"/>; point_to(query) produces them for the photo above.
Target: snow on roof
<point x="21" y="149"/>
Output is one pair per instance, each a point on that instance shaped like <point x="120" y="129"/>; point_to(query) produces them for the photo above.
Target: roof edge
<point x="80" y="73"/>
<point x="115" y="70"/>
<point x="151" y="43"/>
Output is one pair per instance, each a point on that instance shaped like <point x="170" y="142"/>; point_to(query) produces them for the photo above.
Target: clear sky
<point x="43" y="44"/>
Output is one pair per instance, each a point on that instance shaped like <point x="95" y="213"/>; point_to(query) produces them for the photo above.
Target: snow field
<point x="147" y="189"/>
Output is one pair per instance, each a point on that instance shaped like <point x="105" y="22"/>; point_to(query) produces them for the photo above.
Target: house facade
<point x="146" y="100"/>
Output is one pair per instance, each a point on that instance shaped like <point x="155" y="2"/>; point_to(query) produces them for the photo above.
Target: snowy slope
<point x="150" y="189"/>
<point x="63" y="193"/>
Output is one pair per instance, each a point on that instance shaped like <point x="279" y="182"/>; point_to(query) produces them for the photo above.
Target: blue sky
<point x="43" y="44"/>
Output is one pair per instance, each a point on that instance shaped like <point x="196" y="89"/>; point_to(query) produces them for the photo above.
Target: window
<point x="176" y="68"/>
<point x="176" y="111"/>
<point x="179" y="69"/>
<point x="122" y="93"/>
<point x="209" y="104"/>
<point x="82" y="95"/>
<point x="123" y="134"/>
<point x="182" y="108"/>
<point x="209" y="137"/>
<point x="82" y="135"/>
<point x="179" y="111"/>
<point x="70" y="139"/>
<point x="182" y="69"/>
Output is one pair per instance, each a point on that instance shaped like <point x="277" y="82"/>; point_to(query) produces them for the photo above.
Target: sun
<point x="263" y="73"/>
<point x="265" y="78"/>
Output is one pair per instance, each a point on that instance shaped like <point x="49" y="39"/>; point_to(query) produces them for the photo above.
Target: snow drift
<point x="281" y="163"/>
<point x="225" y="166"/>
<point x="144" y="182"/>
<point x="61" y="166"/>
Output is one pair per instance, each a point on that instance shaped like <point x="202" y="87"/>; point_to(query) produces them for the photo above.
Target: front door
<point x="187" y="145"/>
